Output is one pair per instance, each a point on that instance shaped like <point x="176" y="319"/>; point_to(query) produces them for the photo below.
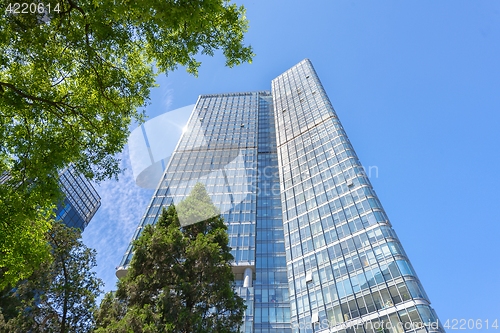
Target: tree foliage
<point x="60" y="296"/>
<point x="179" y="279"/>
<point x="72" y="78"/>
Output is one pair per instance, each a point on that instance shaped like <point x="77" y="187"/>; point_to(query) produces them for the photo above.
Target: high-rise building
<point x="81" y="200"/>
<point x="313" y="248"/>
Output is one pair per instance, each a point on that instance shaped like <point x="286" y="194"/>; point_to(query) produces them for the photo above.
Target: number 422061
<point x="31" y="8"/>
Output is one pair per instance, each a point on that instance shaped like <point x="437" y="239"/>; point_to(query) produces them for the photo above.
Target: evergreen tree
<point x="179" y="279"/>
<point x="60" y="296"/>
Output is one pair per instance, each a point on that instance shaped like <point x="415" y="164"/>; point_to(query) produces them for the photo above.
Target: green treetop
<point x="73" y="75"/>
<point x="179" y="279"/>
<point x="60" y="296"/>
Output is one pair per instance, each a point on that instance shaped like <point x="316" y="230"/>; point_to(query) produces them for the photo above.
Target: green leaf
<point x="72" y="82"/>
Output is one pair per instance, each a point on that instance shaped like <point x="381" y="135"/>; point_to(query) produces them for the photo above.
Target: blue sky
<point x="416" y="85"/>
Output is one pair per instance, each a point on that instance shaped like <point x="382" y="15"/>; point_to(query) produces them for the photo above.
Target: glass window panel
<point x="379" y="304"/>
<point x="403" y="291"/>
<point x="386" y="298"/>
<point x="361" y="306"/>
<point x="404" y="318"/>
<point x="414" y="289"/>
<point x="362" y="281"/>
<point x="415" y="318"/>
<point x="395" y="327"/>
<point x="393" y="290"/>
<point x="370" y="304"/>
<point x="394" y="270"/>
<point x="404" y="267"/>
<point x="426" y="314"/>
<point x="347" y="286"/>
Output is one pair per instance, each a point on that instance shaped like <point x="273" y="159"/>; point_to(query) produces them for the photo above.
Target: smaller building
<point x="81" y="200"/>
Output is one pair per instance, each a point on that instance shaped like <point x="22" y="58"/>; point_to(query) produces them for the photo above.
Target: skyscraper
<point x="314" y="250"/>
<point x="81" y="200"/>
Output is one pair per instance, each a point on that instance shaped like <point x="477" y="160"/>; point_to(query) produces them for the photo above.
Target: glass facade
<point x="81" y="200"/>
<point x="314" y="250"/>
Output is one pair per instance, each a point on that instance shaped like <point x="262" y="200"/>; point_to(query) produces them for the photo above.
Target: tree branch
<point x="33" y="98"/>
<point x="59" y="105"/>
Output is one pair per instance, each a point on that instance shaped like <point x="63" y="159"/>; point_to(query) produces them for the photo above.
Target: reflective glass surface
<point x="302" y="216"/>
<point x="81" y="200"/>
<point x="345" y="262"/>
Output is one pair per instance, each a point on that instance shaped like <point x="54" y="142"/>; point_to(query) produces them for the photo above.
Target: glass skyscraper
<point x="81" y="200"/>
<point x="313" y="248"/>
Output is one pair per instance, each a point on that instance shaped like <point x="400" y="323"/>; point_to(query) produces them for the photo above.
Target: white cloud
<point x="168" y="98"/>
<point x="110" y="231"/>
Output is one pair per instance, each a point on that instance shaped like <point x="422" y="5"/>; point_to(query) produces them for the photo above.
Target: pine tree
<point x="60" y="296"/>
<point x="180" y="278"/>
